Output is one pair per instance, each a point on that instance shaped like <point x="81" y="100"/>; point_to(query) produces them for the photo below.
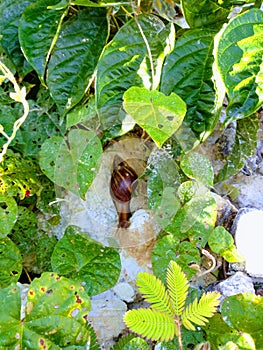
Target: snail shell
<point x="121" y="187"/>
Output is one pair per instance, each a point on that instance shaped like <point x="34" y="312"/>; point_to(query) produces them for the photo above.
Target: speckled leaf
<point x="196" y="218"/>
<point x="159" y="115"/>
<point x="170" y="248"/>
<point x="10" y="262"/>
<point x="244" y="147"/>
<point x="188" y="73"/>
<point x="124" y="63"/>
<point x="222" y="243"/>
<point x="87" y="261"/>
<point x="239" y="60"/>
<point x="55" y="315"/>
<point x="75" y="56"/>
<point x="10" y="13"/>
<point x="244" y="312"/>
<point x="72" y="163"/>
<point x="218" y="333"/>
<point x="197" y="166"/>
<point x="162" y="185"/>
<point x="38" y="32"/>
<point x="8" y="214"/>
<point x="204" y="13"/>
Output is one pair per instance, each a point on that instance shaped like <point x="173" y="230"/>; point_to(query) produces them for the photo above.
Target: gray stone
<point x="236" y="284"/>
<point x="124" y="291"/>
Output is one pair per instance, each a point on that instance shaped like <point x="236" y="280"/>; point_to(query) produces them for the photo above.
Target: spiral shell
<point x="121" y="187"/>
<point x="122" y="179"/>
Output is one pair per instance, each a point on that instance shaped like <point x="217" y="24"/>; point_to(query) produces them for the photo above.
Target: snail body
<point x="121" y="188"/>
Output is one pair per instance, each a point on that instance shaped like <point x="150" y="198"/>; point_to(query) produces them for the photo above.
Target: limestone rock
<point x="236" y="284"/>
<point x="106" y="317"/>
<point x="248" y="233"/>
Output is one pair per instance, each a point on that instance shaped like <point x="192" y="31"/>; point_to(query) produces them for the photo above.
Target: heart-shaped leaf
<point x="159" y="115"/>
<point x="87" y="261"/>
<point x="72" y="163"/>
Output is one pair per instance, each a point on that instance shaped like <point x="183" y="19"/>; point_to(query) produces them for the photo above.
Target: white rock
<point x="106" y="317"/>
<point x="124" y="291"/>
<point x="236" y="284"/>
<point x="248" y="232"/>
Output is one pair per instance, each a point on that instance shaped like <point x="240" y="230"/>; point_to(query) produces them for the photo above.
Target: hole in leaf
<point x="170" y="117"/>
<point x="160" y="126"/>
<point x="3" y="205"/>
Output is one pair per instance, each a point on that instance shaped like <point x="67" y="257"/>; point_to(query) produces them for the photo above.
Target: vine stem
<point x="19" y="96"/>
<point x="146" y="43"/>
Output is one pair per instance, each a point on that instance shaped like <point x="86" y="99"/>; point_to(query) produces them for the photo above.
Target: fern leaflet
<point x="151" y="324"/>
<point x="153" y="291"/>
<point x="197" y="312"/>
<point x="177" y="286"/>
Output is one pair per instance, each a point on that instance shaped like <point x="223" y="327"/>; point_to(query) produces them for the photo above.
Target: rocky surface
<point x="97" y="216"/>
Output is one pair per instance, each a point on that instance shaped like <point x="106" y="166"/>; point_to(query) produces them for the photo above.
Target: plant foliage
<point x="77" y="75"/>
<point x="162" y="321"/>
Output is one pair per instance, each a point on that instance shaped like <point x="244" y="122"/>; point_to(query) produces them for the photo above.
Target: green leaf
<point x="198" y="312"/>
<point x="244" y="147"/>
<point x="72" y="163"/>
<point x="75" y="56"/>
<point x="38" y="31"/>
<point x="154" y="292"/>
<point x="120" y="345"/>
<point x="238" y="55"/>
<point x="244" y="312"/>
<point x="170" y="248"/>
<point x="55" y="315"/>
<point x="10" y="262"/>
<point x="196" y="218"/>
<point x="151" y="324"/>
<point x="135" y="344"/>
<point x="194" y="210"/>
<point x="188" y="73"/>
<point x="8" y="214"/>
<point x="124" y="63"/>
<point x="178" y="286"/>
<point x="19" y="176"/>
<point x="163" y="182"/>
<point x="197" y="166"/>
<point x="218" y="333"/>
<point x="222" y="243"/>
<point x="41" y="123"/>
<point x="87" y="261"/>
<point x="204" y="13"/>
<point x="156" y="113"/>
<point x="10" y="13"/>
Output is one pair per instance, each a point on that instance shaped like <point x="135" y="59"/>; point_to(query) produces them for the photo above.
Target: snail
<point x="121" y="186"/>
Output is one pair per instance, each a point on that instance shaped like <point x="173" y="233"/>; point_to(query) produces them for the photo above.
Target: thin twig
<point x="19" y="96"/>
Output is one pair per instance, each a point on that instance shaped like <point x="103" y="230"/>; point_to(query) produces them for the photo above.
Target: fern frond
<point x="197" y="312"/>
<point x="151" y="324"/>
<point x="177" y="286"/>
<point x="93" y="341"/>
<point x="153" y="291"/>
<point x="123" y="342"/>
